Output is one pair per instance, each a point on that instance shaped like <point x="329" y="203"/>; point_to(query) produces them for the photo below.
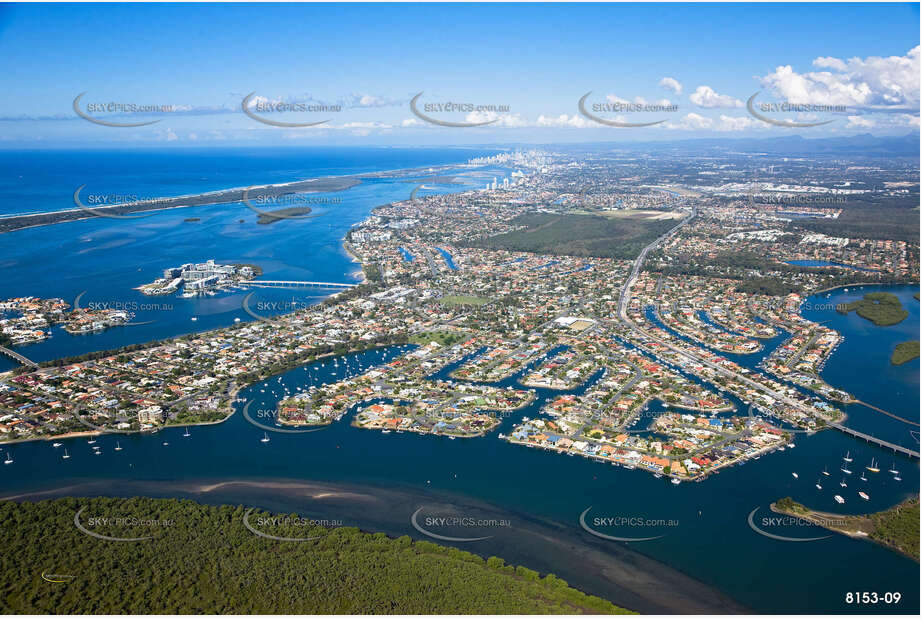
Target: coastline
<point x="207" y="198"/>
<point x="624" y="576"/>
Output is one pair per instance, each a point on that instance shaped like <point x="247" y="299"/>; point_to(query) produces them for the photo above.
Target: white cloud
<point x="565" y="120"/>
<point x="892" y="83"/>
<point x="705" y="96"/>
<point x="736" y="123"/>
<point x="501" y="120"/>
<point x="410" y="122"/>
<point x="860" y="122"/>
<point x="691" y="122"/>
<point x="672" y="84"/>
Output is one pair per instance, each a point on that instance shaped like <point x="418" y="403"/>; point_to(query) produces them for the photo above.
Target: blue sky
<point x="695" y="64"/>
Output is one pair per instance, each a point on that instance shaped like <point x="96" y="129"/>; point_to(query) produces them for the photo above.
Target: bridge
<point x="18" y="357"/>
<point x="299" y="284"/>
<point x="877" y="441"/>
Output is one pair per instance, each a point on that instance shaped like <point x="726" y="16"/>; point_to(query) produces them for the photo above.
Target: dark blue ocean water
<point x="711" y="541"/>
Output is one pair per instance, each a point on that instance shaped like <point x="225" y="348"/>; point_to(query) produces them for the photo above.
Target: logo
<point x="114" y="107"/>
<point x="283" y="107"/>
<point x="56" y="578"/>
<point x="125" y="307"/>
<point x="790" y="107"/>
<point x="621" y="107"/>
<point x="118" y="521"/>
<point x="634" y="522"/>
<point x="285" y="521"/>
<point x="454" y="107"/>
<point x="256" y="423"/>
<point x="297" y="205"/>
<point x="455" y="522"/>
<point x="113" y="201"/>
<point x="783" y="522"/>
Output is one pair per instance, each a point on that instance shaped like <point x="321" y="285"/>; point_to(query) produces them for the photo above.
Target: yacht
<point x="818" y="484"/>
<point x="385" y="431"/>
<point x="166" y="444"/>
<point x="91" y="441"/>
<point x="676" y="481"/>
<point x="56" y="444"/>
<point x="842" y="483"/>
<point x="848" y="457"/>
<point x="97" y="452"/>
<point x="892" y="469"/>
<point x="863" y="495"/>
<point x="9" y="459"/>
<point x="825" y="471"/>
<point x="839" y="499"/>
<point x="845" y="470"/>
<point x="872" y="467"/>
<point x="863" y="476"/>
<point x="896" y="478"/>
<point x="118" y="446"/>
<point x="795" y="475"/>
<point x="66" y="455"/>
<point x="186" y="434"/>
<point x="265" y="437"/>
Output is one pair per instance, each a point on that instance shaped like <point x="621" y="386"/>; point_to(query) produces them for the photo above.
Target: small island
<point x="895" y="528"/>
<point x="881" y="308"/>
<point x="904" y="352"/>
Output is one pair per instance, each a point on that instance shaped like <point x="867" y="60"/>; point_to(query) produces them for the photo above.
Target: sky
<point x="348" y="74"/>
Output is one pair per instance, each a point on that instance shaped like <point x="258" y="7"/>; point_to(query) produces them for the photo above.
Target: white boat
<point x="892" y="469"/>
<point x="848" y="457"/>
<point x="676" y="481"/>
<point x="791" y="445"/>
<point x="118" y="446"/>
<point x="863" y="476"/>
<point x="194" y="319"/>
<point x="839" y="499"/>
<point x="186" y="434"/>
<point x="91" y="441"/>
<point x="825" y="471"/>
<point x="863" y="495"/>
<point x="845" y="470"/>
<point x="97" y="452"/>
<point x="896" y="478"/>
<point x="166" y="444"/>
<point x="818" y="484"/>
<point x="96" y="448"/>
<point x="385" y="431"/>
<point x="795" y="475"/>
<point x="56" y="444"/>
<point x="872" y="467"/>
<point x="9" y="459"/>
<point x="66" y="455"/>
<point x="265" y="437"/>
<point x="842" y="483"/>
